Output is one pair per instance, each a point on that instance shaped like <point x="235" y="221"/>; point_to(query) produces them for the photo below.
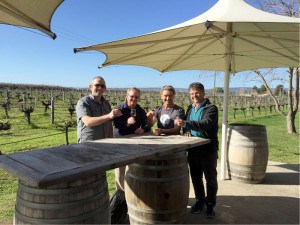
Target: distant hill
<point x="157" y="89"/>
<point x="151" y="89"/>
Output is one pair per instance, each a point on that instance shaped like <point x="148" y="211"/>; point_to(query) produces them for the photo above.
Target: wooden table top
<point x="48" y="166"/>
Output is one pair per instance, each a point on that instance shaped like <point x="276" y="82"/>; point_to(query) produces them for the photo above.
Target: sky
<point x="30" y="57"/>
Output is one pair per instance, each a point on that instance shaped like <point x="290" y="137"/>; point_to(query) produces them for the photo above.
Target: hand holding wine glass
<point x="131" y="119"/>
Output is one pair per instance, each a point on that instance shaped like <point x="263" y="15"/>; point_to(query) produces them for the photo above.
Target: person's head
<point x="132" y="97"/>
<point x="97" y="87"/>
<point x="167" y="94"/>
<point x="197" y="92"/>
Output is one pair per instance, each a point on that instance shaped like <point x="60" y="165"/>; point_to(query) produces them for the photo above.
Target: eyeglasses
<point x="100" y="85"/>
<point x="133" y="96"/>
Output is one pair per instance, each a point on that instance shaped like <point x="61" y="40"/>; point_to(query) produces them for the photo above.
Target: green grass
<point x="283" y="147"/>
<point x="8" y="189"/>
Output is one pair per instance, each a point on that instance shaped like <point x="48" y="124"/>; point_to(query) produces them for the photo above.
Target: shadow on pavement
<point x="249" y="210"/>
<point x="295" y="167"/>
<point x="281" y="179"/>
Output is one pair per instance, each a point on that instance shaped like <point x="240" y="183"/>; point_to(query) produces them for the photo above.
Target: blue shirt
<point x="196" y="114"/>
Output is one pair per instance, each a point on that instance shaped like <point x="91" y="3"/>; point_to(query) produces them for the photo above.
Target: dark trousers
<point x="204" y="164"/>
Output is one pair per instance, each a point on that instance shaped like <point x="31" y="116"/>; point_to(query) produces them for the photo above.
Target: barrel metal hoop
<point x="69" y="220"/>
<point x="150" y="179"/>
<point x="151" y="211"/>
<point x="241" y="166"/>
<point x="42" y="206"/>
<point x="137" y="165"/>
<point x="70" y="190"/>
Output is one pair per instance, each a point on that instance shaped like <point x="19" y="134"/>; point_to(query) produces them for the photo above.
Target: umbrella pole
<point x="224" y="127"/>
<point x="229" y="39"/>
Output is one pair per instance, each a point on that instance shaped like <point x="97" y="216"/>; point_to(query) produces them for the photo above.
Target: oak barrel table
<point x="67" y="184"/>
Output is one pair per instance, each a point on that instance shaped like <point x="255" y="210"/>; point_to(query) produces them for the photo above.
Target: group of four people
<point x="95" y="117"/>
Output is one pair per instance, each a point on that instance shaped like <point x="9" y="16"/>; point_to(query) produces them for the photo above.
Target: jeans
<point x="204" y="164"/>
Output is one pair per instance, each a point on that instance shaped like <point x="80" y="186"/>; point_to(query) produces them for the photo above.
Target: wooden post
<point x="52" y="110"/>
<point x="66" y="132"/>
<point x="24" y="102"/>
<point x="36" y="100"/>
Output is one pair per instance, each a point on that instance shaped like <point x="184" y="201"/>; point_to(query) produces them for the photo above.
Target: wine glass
<point x="133" y="112"/>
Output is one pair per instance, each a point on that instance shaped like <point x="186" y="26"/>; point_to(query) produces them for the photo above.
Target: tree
<point x="262" y="89"/>
<point x="279" y="90"/>
<point x="218" y="90"/>
<point x="293" y="98"/>
<point x="287" y="8"/>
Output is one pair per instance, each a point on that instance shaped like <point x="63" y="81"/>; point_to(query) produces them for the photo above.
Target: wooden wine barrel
<point x="157" y="190"/>
<point x="83" y="201"/>
<point x="247" y="152"/>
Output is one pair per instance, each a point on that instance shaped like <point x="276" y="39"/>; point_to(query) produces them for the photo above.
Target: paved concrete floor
<point x="275" y="201"/>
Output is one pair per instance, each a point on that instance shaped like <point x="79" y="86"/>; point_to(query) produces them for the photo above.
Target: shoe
<point x="198" y="207"/>
<point x="210" y="213"/>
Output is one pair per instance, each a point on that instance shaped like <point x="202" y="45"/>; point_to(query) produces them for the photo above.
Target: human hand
<point x="130" y="121"/>
<point x="150" y="114"/>
<point x="179" y="122"/>
<point x="157" y="131"/>
<point x="139" y="131"/>
<point x="187" y="134"/>
<point x="114" y="113"/>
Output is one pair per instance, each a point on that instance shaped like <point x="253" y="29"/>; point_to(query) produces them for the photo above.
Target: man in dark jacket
<point x="202" y="121"/>
<point x="132" y="121"/>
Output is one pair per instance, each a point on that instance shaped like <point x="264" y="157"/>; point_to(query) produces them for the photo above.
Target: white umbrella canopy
<point x="259" y="39"/>
<point x="232" y="36"/>
<point x="35" y="14"/>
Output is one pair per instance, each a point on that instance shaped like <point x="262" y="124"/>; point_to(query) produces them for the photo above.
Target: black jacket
<point x="141" y="120"/>
<point x="208" y="125"/>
